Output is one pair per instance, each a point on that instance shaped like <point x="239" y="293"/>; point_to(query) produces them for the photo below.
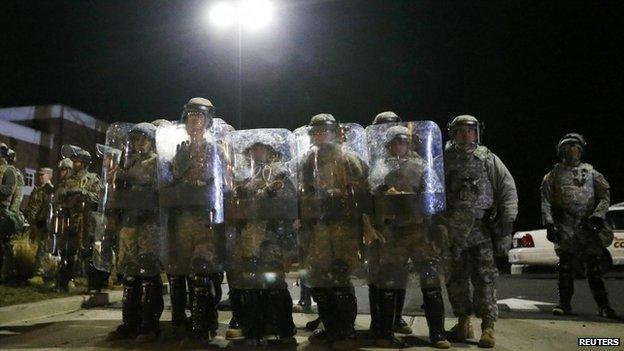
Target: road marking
<point x="522" y="304"/>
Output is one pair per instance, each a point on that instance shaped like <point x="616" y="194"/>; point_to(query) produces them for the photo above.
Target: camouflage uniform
<point x="78" y="197"/>
<point x="11" y="219"/>
<point x="332" y="182"/>
<point x="195" y="237"/>
<point x="38" y="214"/>
<point x="571" y="194"/>
<point x="260" y="257"/>
<point x="138" y="258"/>
<point x="404" y="238"/>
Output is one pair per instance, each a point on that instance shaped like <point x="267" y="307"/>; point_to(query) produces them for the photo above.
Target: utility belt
<point x="277" y="208"/>
<point x="133" y="199"/>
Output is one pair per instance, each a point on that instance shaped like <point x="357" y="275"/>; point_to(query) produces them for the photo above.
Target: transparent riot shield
<point x="407" y="184"/>
<point x="192" y="177"/>
<point x="333" y="197"/>
<point x="107" y="219"/>
<point x="261" y="208"/>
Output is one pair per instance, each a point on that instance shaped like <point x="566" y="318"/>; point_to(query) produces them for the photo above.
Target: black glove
<point x="551" y="233"/>
<point x="593" y="224"/>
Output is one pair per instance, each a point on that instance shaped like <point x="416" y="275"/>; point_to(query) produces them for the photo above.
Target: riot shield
<point x="333" y="197"/>
<point x="407" y="184"/>
<point x="261" y="207"/>
<point x="192" y="176"/>
<point x="107" y="220"/>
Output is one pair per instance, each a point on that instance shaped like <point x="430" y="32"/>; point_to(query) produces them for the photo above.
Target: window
<point x="29" y="181"/>
<point x="616" y="219"/>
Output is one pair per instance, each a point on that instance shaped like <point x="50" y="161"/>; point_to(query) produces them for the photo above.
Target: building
<point x="36" y="133"/>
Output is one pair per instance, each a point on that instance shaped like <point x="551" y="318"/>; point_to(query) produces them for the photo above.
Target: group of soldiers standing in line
<point x="334" y="201"/>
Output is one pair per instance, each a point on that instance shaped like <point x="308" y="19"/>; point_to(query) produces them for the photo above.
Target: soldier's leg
<point x="151" y="309"/>
<point x="203" y="311"/>
<point x="345" y="313"/>
<point x="280" y="308"/>
<point x="178" y="295"/>
<point x="326" y="311"/>
<point x="484" y="281"/>
<point x="252" y="314"/>
<point x="593" y="262"/>
<point x="433" y="303"/>
<point x="458" y="289"/>
<point x="566" y="272"/>
<point x="66" y="267"/>
<point x="130" y="309"/>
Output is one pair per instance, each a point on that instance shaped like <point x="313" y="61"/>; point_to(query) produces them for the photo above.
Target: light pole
<point x="249" y="15"/>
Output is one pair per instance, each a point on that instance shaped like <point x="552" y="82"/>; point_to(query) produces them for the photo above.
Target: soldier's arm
<point x="603" y="195"/>
<point x="34" y="204"/>
<point x="93" y="189"/>
<point x="9" y="181"/>
<point x="505" y="194"/>
<point x="546" y="194"/>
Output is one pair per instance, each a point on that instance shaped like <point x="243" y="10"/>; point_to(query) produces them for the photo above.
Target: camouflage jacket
<point x="38" y="204"/>
<point x="574" y="193"/>
<point x="480" y="181"/>
<point x="80" y="187"/>
<point x="9" y="184"/>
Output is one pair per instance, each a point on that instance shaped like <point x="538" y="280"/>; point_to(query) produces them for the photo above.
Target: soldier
<point x="575" y="200"/>
<point x="78" y="199"/>
<point x="191" y="197"/>
<point x="401" y="325"/>
<point x="262" y="207"/>
<point x="11" y="219"/>
<point x="482" y="205"/>
<point x="407" y="193"/>
<point x="333" y="186"/>
<point x="38" y="214"/>
<point x="16" y="202"/>
<point x="134" y="195"/>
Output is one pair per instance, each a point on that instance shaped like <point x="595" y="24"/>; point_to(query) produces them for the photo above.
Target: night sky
<point x="531" y="70"/>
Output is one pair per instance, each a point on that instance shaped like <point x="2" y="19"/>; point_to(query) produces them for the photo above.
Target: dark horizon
<point x="530" y="70"/>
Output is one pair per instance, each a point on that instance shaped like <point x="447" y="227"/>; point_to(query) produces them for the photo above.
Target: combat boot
<point x="462" y="330"/>
<point x="383" y="332"/>
<point x="562" y="310"/>
<point x="487" y="334"/>
<point x="130" y="311"/>
<point x="152" y="308"/>
<point x="178" y="295"/>
<point x="607" y="312"/>
<point x="400" y="325"/>
<point x="434" y="313"/>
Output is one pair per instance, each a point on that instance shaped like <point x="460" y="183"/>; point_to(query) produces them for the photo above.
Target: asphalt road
<point x="526" y="322"/>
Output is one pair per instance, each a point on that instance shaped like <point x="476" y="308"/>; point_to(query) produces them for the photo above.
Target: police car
<point x="532" y="249"/>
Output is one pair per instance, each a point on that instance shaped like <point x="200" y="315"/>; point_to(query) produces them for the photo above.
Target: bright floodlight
<point x="255" y="14"/>
<point x="223" y="14"/>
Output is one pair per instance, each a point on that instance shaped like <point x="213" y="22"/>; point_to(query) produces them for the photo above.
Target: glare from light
<point x="223" y="15"/>
<point x="255" y="14"/>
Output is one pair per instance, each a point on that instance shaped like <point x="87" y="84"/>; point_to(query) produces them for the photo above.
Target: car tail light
<point x="526" y="241"/>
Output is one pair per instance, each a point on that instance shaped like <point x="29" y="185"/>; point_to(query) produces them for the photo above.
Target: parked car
<point x="532" y="249"/>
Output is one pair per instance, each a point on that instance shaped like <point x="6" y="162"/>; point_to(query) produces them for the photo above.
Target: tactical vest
<point x="9" y="202"/>
<point x="467" y="181"/>
<point x="573" y="189"/>
<point x="405" y="174"/>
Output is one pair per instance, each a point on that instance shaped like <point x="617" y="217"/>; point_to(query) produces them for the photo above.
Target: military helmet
<point x="201" y="105"/>
<point x="66" y="163"/>
<point x="571" y="138"/>
<point x="386" y="117"/>
<point x="465" y="120"/>
<point x="147" y="129"/>
<point x="322" y="122"/>
<point x="161" y="122"/>
<point x="397" y="133"/>
<point x="72" y="151"/>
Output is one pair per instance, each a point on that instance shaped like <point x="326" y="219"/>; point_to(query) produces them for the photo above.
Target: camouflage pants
<point x="139" y="250"/>
<point x="474" y="264"/>
<point x="257" y="257"/>
<point x="389" y="261"/>
<point x="332" y="253"/>
<point x="194" y="246"/>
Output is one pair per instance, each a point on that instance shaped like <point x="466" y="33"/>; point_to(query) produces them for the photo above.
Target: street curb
<point x="47" y="308"/>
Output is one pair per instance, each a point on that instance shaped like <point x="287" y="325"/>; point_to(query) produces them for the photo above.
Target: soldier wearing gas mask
<point x="575" y="200"/>
<point x="482" y="204"/>
<point x="11" y="219"/>
<point x="408" y="194"/>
